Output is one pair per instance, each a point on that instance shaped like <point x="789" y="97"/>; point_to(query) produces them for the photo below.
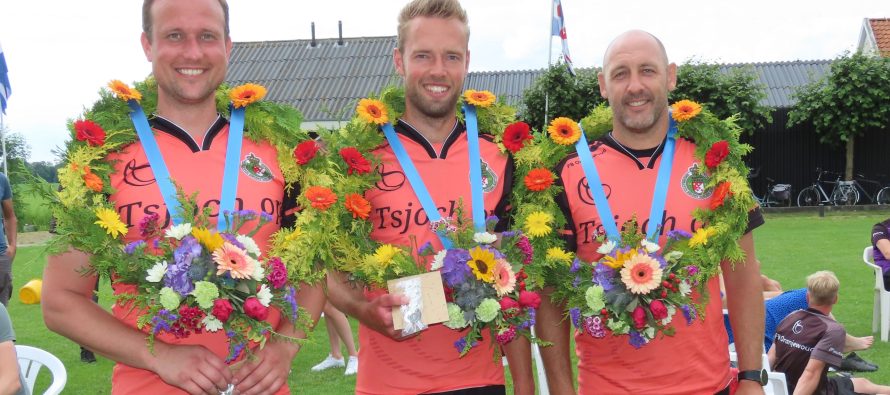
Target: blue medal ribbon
<point x="659" y="197"/>
<point x="162" y="174"/>
<point x="420" y="189"/>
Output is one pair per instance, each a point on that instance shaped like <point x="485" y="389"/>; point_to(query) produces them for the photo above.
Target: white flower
<point x="685" y="288"/>
<point x="258" y="271"/>
<point x="264" y="295"/>
<point x="670" y="316"/>
<point x="673" y="256"/>
<point x="650" y="246"/>
<point x="211" y="323"/>
<point x="606" y="247"/>
<point x="249" y="245"/>
<point x="156" y="273"/>
<point x="484" y="238"/>
<point x="179" y="231"/>
<point x="438" y="260"/>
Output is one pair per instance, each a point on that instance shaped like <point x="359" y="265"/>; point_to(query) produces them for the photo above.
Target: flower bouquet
<point x="201" y="280"/>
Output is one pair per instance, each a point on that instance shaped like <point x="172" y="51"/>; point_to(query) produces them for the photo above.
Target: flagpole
<point x="549" y="62"/>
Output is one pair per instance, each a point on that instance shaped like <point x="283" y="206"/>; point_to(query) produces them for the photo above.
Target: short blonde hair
<point x="444" y="9"/>
<point x="822" y="287"/>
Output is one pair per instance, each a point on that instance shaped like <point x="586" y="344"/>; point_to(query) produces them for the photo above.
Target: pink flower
<point x="504" y="279"/>
<point x="529" y="299"/>
<point x="659" y="312"/>
<point x="639" y="316"/>
<point x="277" y="273"/>
<point x="508" y="303"/>
<point x="222" y="308"/>
<point x="233" y="260"/>
<point x="255" y="309"/>
<point x="506" y="336"/>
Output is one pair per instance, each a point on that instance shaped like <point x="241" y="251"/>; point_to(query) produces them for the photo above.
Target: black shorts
<point x="489" y="390"/>
<point x="843" y="385"/>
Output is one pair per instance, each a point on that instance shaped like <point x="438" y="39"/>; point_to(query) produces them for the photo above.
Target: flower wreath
<point x="106" y="128"/>
<point x="688" y="260"/>
<point x="336" y="213"/>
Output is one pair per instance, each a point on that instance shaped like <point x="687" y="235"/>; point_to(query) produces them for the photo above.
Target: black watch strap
<point x="759" y="376"/>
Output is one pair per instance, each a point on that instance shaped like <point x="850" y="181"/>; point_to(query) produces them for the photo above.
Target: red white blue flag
<point x="5" y="90"/>
<point x="558" y="28"/>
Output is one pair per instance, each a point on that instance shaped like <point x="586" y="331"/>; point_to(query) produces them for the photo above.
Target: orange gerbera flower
<point x="357" y="205"/>
<point x="245" y="94"/>
<point x="372" y="111"/>
<point x="123" y="91"/>
<point x="320" y="197"/>
<point x="720" y="194"/>
<point x="538" y="179"/>
<point x="685" y="110"/>
<point x="479" y="98"/>
<point x="92" y="180"/>
<point x="564" y="131"/>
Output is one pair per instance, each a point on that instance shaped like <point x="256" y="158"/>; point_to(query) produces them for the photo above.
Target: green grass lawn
<point x="790" y="246"/>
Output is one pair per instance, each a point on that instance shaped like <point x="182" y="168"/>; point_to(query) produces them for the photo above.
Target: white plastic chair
<point x="881" y="310"/>
<point x="31" y="359"/>
<point x="777" y="384"/>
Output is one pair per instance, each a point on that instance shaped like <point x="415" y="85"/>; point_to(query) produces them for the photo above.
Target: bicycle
<point x="843" y="193"/>
<point x="882" y="195"/>
<point x="774" y="195"/>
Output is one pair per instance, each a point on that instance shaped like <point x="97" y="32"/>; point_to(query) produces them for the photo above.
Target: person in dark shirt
<point x="880" y="240"/>
<point x="808" y="341"/>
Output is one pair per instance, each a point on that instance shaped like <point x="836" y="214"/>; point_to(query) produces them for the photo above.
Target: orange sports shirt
<point x="429" y="362"/>
<point x="196" y="166"/>
<point x="611" y="365"/>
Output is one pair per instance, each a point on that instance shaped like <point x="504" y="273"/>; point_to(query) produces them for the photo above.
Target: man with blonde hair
<point x="432" y="57"/>
<point x="808" y="341"/>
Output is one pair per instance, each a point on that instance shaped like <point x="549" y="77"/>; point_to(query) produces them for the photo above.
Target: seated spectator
<point x="808" y="341"/>
<point x="11" y="381"/>
<point x="880" y="240"/>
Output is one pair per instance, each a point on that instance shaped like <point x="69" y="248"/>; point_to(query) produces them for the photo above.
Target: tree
<point x="45" y="170"/>
<point x="724" y="93"/>
<point x="567" y="96"/>
<point x="849" y="101"/>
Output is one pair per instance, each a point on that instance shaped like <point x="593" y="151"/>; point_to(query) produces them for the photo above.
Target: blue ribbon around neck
<point x="659" y="196"/>
<point x="162" y="174"/>
<point x="420" y="189"/>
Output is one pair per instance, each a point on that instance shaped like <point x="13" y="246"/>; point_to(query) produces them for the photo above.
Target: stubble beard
<point x="431" y="109"/>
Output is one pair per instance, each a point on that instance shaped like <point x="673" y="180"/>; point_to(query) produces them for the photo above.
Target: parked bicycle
<point x="774" y="194"/>
<point x="882" y="193"/>
<point x="843" y="193"/>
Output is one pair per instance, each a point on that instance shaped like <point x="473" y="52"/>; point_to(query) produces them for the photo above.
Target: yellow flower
<point x="564" y="131"/>
<point x="384" y="254"/>
<point x="537" y="224"/>
<point x="619" y="259"/>
<point x="482" y="262"/>
<point x="372" y="111"/>
<point x="245" y="94"/>
<point x="110" y="221"/>
<point x="685" y="110"/>
<point x="559" y="255"/>
<point x="700" y="237"/>
<point x="123" y="91"/>
<point x="209" y="239"/>
<point x="479" y="98"/>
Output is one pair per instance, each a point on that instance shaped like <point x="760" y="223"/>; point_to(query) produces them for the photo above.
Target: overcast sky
<point x="60" y="53"/>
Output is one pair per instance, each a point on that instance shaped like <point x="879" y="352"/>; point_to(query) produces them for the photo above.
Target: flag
<point x="558" y="28"/>
<point x="5" y="91"/>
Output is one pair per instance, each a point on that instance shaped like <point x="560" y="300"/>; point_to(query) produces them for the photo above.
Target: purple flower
<point x="266" y="217"/>
<point x="161" y="322"/>
<point x="575" y="314"/>
<point x="661" y="262"/>
<point x="508" y="234"/>
<point x="678" y="234"/>
<point x="576" y="265"/>
<point x="177" y="277"/>
<point x="491" y="221"/>
<point x="424" y="247"/>
<point x="291" y="298"/>
<point x="636" y="339"/>
<point x="232" y="239"/>
<point x="602" y="276"/>
<point x="531" y="319"/>
<point x="187" y="251"/>
<point x="454" y="267"/>
<point x="576" y="282"/>
<point x="460" y="344"/>
<point x="131" y="247"/>
<point x="688" y="313"/>
<point x="692" y="270"/>
<point x="234" y="351"/>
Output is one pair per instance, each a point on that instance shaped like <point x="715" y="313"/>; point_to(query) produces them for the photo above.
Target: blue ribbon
<point x="659" y="197"/>
<point x="420" y="189"/>
<point x="162" y="174"/>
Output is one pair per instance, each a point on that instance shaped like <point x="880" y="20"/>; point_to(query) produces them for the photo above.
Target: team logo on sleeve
<point x="694" y="182"/>
<point x="254" y="167"/>
<point x="489" y="178"/>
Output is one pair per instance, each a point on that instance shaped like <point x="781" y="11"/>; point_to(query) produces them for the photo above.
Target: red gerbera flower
<point x="717" y="153"/>
<point x="356" y="162"/>
<point x="305" y="151"/>
<point x="90" y="132"/>
<point x="538" y="179"/>
<point x="515" y="136"/>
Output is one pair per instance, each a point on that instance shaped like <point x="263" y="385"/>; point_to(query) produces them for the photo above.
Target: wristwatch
<point x="759" y="376"/>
